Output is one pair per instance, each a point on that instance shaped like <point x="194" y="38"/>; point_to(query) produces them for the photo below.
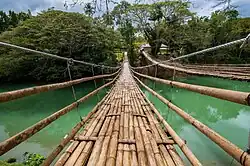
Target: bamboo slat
<point x="72" y="147"/>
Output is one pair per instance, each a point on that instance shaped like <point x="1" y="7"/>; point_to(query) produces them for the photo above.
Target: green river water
<point x="228" y="119"/>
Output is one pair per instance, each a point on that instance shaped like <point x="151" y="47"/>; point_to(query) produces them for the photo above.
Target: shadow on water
<point x="230" y="120"/>
<point x="17" y="115"/>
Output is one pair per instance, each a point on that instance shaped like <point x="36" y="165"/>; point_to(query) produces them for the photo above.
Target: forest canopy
<point x="99" y="39"/>
<point x="71" y="35"/>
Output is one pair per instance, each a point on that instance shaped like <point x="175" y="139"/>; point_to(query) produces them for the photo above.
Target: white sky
<point x="202" y="7"/>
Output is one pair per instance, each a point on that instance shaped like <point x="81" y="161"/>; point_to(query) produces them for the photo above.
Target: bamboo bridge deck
<point x="125" y="128"/>
<point x="124" y="131"/>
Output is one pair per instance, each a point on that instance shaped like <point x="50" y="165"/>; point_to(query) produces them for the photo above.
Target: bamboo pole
<point x="230" y="95"/>
<point x="177" y="139"/>
<point x="194" y="72"/>
<point x="83" y="152"/>
<point x="112" y="152"/>
<point x="144" y="107"/>
<point x="104" y="150"/>
<point x="227" y="146"/>
<point x="119" y="158"/>
<point x="127" y="155"/>
<point x="113" y="144"/>
<point x="12" y="95"/>
<point x="64" y="157"/>
<point x="90" y="129"/>
<point x="146" y="140"/>
<point x="13" y="141"/>
<point x="134" y="160"/>
<point x="95" y="154"/>
<point x="167" y="153"/>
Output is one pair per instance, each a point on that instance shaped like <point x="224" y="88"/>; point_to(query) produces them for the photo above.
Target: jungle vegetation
<point x="99" y="38"/>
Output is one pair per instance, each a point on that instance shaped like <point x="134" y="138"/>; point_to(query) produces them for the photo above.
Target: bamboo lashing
<point x="12" y="95"/>
<point x="13" y="141"/>
<point x="230" y="95"/>
<point x="227" y="146"/>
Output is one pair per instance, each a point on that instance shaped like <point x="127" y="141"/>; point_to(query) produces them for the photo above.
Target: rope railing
<point x="229" y="95"/>
<point x="179" y="69"/>
<point x="13" y="141"/>
<point x="55" y="56"/>
<point x="244" y="41"/>
<point x="72" y="133"/>
<point x="237" y="153"/>
<point x="12" y="95"/>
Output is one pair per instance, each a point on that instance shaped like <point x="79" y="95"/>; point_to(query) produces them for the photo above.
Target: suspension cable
<point x="70" y="63"/>
<point x="244" y="41"/>
<point x="54" y="56"/>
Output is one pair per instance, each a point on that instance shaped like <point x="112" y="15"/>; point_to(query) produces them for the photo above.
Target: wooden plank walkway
<point x="124" y="131"/>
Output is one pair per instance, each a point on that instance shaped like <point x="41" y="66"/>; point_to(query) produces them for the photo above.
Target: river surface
<point x="230" y="120"/>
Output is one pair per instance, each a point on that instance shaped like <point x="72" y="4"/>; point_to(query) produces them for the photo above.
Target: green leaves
<point x="33" y="159"/>
<point x="71" y="35"/>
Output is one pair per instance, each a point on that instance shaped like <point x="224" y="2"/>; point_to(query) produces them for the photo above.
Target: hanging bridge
<point x="125" y="128"/>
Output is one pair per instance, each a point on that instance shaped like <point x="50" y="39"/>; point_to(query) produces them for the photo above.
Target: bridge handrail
<point x="229" y="95"/>
<point x="155" y="63"/>
<point x="13" y="141"/>
<point x="244" y="41"/>
<point x="56" y="56"/>
<point x="12" y="95"/>
<point x="237" y="153"/>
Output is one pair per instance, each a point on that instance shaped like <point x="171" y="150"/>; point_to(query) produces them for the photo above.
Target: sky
<point x="201" y="7"/>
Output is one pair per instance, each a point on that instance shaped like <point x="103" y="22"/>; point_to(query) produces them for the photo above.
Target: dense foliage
<point x="30" y="159"/>
<point x="12" y="19"/>
<point x="172" y="23"/>
<point x="71" y="35"/>
<point x="98" y="39"/>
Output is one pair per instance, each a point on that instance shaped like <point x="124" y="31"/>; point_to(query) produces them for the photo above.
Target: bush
<point x="33" y="159"/>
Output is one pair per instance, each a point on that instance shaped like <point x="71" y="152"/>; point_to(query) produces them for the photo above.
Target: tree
<point x="71" y="35"/>
<point x="153" y="20"/>
<point x="12" y="19"/>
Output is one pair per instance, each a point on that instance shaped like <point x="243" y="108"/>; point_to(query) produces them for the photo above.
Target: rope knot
<point x="70" y="61"/>
<point x="171" y="59"/>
